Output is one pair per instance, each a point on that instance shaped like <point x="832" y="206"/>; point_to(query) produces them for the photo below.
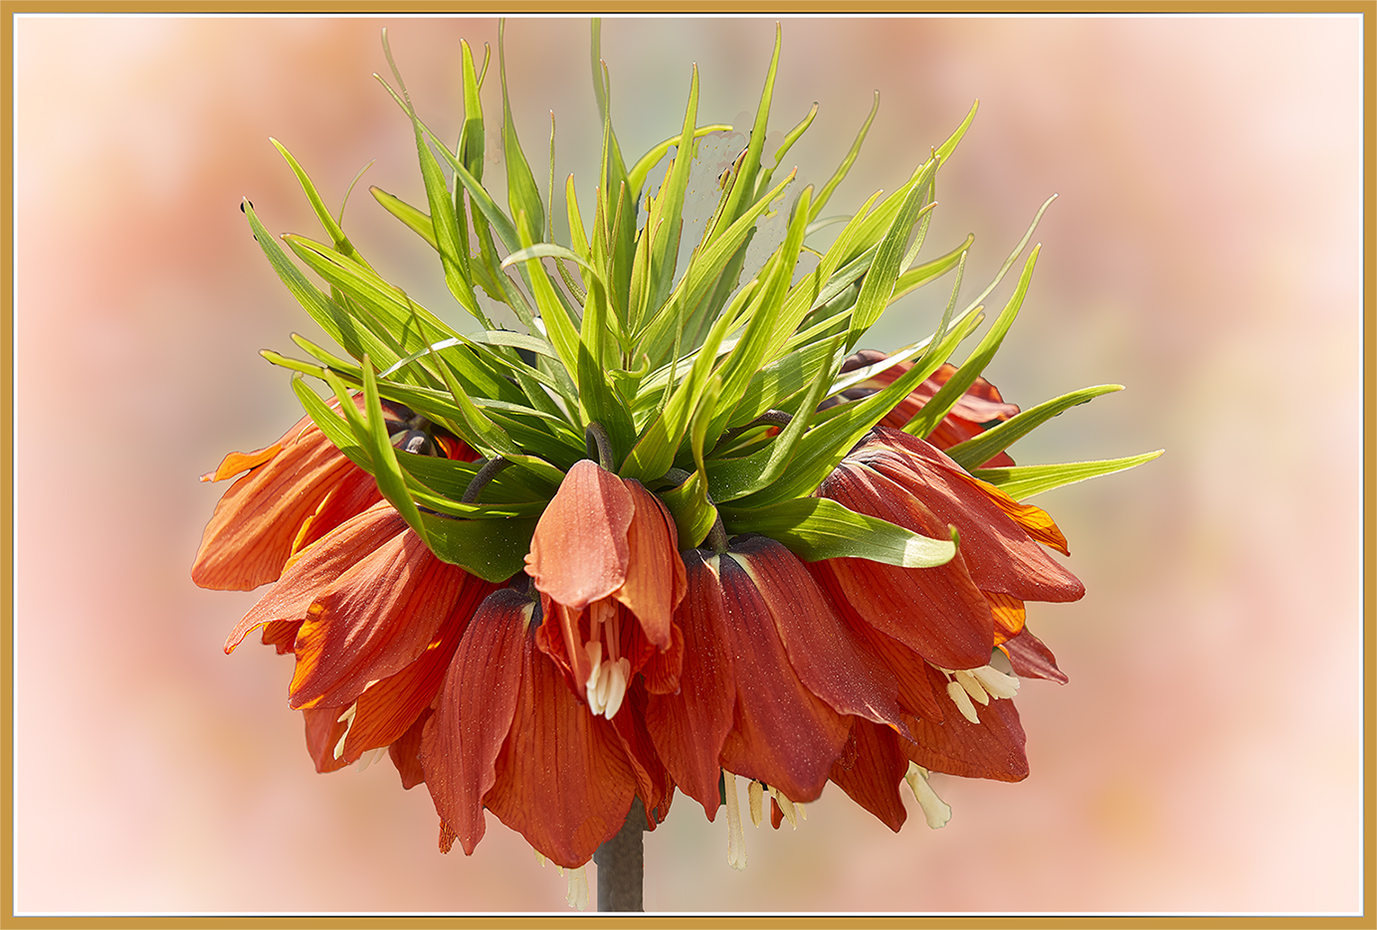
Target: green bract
<point x="676" y="364"/>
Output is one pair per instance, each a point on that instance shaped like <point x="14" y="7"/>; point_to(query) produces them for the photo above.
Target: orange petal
<point x="688" y="728"/>
<point x="1009" y="614"/>
<point x="784" y="735"/>
<point x="376" y="619"/>
<point x="579" y="549"/>
<point x="474" y="712"/>
<point x="236" y="462"/>
<point x="249" y="537"/>
<point x="654" y="583"/>
<point x="307" y="578"/>
<point x="388" y="708"/>
<point x="563" y="780"/>
<point x="870" y="771"/>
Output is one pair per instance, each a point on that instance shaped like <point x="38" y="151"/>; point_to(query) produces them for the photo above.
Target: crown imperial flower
<point x="675" y="531"/>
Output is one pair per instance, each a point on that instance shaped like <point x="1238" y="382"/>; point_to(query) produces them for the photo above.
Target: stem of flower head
<point x="480" y="480"/>
<point x="768" y="418"/>
<point x="599" y="446"/>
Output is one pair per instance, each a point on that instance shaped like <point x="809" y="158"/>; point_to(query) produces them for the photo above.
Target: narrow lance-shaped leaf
<point x="453" y="252"/>
<point x="930" y="414"/>
<point x="327" y="221"/>
<point x="818" y="528"/>
<point x="1023" y="481"/>
<point x="730" y="479"/>
<point x="991" y="442"/>
<point x="523" y="196"/>
<point x="840" y="174"/>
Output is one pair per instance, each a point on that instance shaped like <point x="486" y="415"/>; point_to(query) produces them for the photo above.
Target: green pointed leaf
<point x="416" y="220"/>
<point x="971" y="453"/>
<point x="494" y="550"/>
<point x="837" y="430"/>
<point x="1023" y="481"/>
<point x="523" y="196"/>
<point x="729" y="479"/>
<point x="816" y="528"/>
<point x="930" y="414"/>
<point x="332" y="228"/>
<point x="837" y="176"/>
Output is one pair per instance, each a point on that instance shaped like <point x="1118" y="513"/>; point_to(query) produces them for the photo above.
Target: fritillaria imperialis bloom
<point x="674" y="532"/>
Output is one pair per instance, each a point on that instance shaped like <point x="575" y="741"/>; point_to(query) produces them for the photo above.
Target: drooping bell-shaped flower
<point x="771" y="677"/>
<point x="605" y="557"/>
<point x="510" y="736"/>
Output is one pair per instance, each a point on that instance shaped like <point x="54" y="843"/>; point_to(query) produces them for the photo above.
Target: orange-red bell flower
<point x="771" y="676"/>
<point x="604" y="549"/>
<point x="949" y="614"/>
<point x="373" y="617"/>
<point x="296" y="490"/>
<point x="508" y="734"/>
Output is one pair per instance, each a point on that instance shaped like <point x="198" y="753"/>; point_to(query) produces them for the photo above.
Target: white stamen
<point x="968" y="681"/>
<point x="373" y="755"/>
<point x="593" y="649"/>
<point x="736" y="836"/>
<point x="346" y="718"/>
<point x="755" y="796"/>
<point x="577" y="895"/>
<point x="935" y="811"/>
<point x="540" y="857"/>
<point x="962" y="701"/>
<point x="996" y="682"/>
<point x="616" y="674"/>
<point x="786" y="807"/>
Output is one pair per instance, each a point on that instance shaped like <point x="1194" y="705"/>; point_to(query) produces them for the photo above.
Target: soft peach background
<point x="1205" y="252"/>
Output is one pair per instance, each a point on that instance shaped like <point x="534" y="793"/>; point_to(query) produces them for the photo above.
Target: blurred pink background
<point x="1204" y="252"/>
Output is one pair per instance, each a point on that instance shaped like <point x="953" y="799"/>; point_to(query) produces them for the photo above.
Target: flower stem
<point x="621" y="864"/>
<point x="599" y="445"/>
<point x="480" y="480"/>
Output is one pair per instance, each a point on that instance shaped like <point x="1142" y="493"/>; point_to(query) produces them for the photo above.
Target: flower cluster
<point x="676" y="532"/>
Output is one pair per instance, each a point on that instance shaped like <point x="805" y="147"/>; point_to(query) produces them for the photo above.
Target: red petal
<point x="653" y="781"/>
<point x="820" y="647"/>
<point x="324" y="730"/>
<point x="563" y="780"/>
<point x="387" y="708"/>
<point x="688" y="728"/>
<point x="250" y="535"/>
<point x="474" y="712"/>
<point x="784" y="735"/>
<point x="938" y="612"/>
<point x="654" y="583"/>
<point x="992" y="748"/>
<point x="910" y="671"/>
<point x="308" y="577"/>
<point x="870" y="771"/>
<point x="405" y="752"/>
<point x="579" y="549"/>
<point x="1031" y="659"/>
<point x="999" y="552"/>
<point x="376" y="619"/>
